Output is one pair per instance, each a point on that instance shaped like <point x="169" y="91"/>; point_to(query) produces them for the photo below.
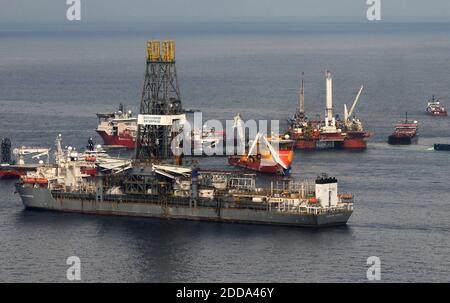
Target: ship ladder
<point x="218" y="207"/>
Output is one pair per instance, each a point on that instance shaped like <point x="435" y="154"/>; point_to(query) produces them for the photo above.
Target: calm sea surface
<point x="54" y="78"/>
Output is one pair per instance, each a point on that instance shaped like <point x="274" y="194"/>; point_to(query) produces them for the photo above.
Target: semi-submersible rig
<point x="155" y="184"/>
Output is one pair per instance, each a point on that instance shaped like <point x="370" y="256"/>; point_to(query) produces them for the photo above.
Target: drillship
<point x="154" y="184"/>
<point x="180" y="192"/>
<point x="332" y="132"/>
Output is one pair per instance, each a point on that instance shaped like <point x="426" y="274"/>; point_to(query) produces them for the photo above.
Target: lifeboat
<point x="313" y="200"/>
<point x="35" y="180"/>
<point x="346" y="196"/>
<point x="90" y="159"/>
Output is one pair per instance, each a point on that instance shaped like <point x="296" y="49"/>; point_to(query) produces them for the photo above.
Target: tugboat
<point x="435" y="108"/>
<point x="405" y="133"/>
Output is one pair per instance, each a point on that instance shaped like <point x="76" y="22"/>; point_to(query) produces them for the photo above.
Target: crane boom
<point x="350" y="113"/>
<point x="22" y="151"/>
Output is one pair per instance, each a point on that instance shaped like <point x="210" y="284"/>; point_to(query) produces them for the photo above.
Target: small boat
<point x="435" y="108"/>
<point x="406" y="132"/>
<point x="440" y="147"/>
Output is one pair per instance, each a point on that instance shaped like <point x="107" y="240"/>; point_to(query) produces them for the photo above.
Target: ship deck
<point x="218" y="203"/>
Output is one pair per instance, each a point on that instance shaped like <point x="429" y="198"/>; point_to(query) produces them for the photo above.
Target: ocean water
<point x="54" y="77"/>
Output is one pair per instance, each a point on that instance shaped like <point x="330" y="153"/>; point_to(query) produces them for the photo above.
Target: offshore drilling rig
<point x="160" y="107"/>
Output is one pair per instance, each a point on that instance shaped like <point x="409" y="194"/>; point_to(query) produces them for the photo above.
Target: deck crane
<point x="37" y="152"/>
<point x="275" y="155"/>
<point x="348" y="114"/>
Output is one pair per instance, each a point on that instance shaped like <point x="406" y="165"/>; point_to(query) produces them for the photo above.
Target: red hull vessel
<point x="118" y="128"/>
<point x="435" y="108"/>
<point x="330" y="133"/>
<point x="264" y="158"/>
<point x="124" y="140"/>
<point x="11" y="173"/>
<point x="405" y="133"/>
<point x="438" y="113"/>
<point x="355" y="140"/>
<point x="305" y="144"/>
<point x="255" y="163"/>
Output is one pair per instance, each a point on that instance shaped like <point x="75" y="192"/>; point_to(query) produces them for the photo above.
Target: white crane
<point x="348" y="114"/>
<point x="240" y="126"/>
<point x="37" y="152"/>
<point x="273" y="152"/>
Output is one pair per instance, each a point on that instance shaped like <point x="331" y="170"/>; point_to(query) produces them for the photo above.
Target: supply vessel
<point x="117" y="129"/>
<point x="331" y="132"/>
<point x="406" y="132"/>
<point x="157" y="184"/>
<point x="435" y="108"/>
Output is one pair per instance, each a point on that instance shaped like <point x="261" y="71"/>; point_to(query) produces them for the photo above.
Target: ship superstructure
<point x="331" y="132"/>
<point x="155" y="184"/>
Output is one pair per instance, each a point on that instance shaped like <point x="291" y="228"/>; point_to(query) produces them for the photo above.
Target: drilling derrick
<point x="160" y="104"/>
<point x="5" y="151"/>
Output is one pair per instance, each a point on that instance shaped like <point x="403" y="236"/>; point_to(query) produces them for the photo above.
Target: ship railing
<point x="313" y="210"/>
<point x="203" y="202"/>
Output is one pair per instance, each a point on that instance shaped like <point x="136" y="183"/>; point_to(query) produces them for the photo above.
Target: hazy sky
<point x="120" y="10"/>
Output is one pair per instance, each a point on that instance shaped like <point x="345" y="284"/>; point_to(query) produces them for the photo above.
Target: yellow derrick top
<point x="164" y="51"/>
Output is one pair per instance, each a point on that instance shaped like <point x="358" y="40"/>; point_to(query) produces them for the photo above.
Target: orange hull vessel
<point x="271" y="160"/>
